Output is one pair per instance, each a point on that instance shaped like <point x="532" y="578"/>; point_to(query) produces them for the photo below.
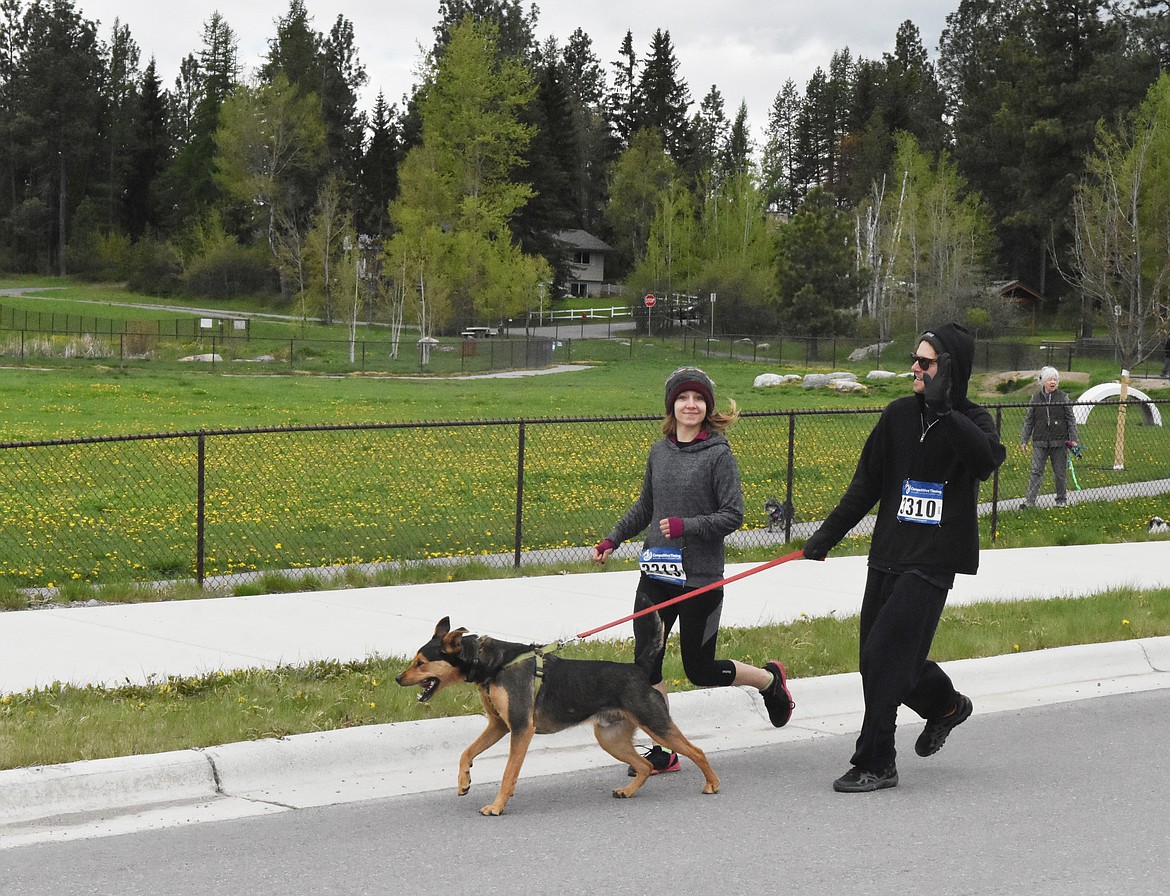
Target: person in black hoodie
<point x="922" y="464"/>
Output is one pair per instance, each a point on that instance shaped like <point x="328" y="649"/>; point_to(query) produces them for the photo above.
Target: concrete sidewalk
<point x="118" y="643"/>
<point x="138" y="642"/>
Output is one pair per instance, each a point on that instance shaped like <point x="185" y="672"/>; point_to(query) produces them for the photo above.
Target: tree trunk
<point x="61" y="197"/>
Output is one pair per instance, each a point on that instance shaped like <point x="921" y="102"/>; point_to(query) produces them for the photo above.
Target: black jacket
<point x="959" y="450"/>
<point x="1049" y="420"/>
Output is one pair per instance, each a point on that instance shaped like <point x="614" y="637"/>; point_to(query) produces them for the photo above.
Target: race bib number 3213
<point x="664" y="564"/>
<point x="922" y="502"/>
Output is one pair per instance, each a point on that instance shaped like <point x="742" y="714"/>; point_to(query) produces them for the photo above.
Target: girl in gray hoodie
<point x="690" y="501"/>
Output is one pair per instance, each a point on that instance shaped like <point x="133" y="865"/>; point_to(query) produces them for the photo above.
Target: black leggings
<point x="698" y="631"/>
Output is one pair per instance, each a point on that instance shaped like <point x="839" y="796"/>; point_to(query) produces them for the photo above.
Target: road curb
<point x="379" y="761"/>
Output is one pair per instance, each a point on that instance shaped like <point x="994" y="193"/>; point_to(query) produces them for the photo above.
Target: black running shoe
<point x="660" y="761"/>
<point x="860" y="780"/>
<point x="777" y="700"/>
<point x="934" y="735"/>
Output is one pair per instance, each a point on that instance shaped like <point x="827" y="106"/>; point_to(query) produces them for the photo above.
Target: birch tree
<point x="1121" y="240"/>
<point x="270" y="136"/>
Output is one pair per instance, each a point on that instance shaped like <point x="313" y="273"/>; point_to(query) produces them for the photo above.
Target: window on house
<point x="578" y="289"/>
<point x="580" y="257"/>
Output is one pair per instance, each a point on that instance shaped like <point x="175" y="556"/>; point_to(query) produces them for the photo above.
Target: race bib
<point x="664" y="564"/>
<point x="922" y="502"/>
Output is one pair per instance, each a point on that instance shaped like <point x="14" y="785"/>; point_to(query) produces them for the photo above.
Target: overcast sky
<point x="748" y="48"/>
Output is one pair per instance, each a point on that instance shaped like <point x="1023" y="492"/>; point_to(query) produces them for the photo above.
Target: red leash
<point x="674" y="600"/>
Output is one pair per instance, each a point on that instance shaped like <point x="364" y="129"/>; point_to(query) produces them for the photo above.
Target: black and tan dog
<point x="616" y="696"/>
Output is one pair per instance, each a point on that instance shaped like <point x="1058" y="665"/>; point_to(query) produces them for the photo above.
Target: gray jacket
<point x="699" y="483"/>
<point x="1049" y="420"/>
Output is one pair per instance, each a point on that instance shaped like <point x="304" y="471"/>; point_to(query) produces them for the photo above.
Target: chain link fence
<point x="215" y="343"/>
<point x="226" y="507"/>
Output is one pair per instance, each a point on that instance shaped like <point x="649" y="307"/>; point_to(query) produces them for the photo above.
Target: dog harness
<point x="539" y="651"/>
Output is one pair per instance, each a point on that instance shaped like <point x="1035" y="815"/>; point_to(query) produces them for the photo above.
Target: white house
<point x="586" y="255"/>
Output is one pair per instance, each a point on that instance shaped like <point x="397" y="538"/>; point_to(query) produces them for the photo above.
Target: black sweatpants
<point x="899" y="616"/>
<point x="698" y="632"/>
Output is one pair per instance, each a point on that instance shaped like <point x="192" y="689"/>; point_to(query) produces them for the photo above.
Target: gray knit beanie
<point x="689" y="378"/>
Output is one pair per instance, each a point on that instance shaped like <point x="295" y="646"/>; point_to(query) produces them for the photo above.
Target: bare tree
<point x="1121" y="233"/>
<point x="878" y="239"/>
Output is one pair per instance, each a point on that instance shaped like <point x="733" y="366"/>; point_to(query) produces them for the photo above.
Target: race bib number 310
<point x="664" y="564"/>
<point x="922" y="502"/>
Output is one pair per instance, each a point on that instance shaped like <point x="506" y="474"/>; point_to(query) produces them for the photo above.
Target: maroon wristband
<point x="676" y="526"/>
<point x="605" y="545"/>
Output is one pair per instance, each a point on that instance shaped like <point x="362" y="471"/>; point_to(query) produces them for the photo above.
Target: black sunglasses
<point x="923" y="363"/>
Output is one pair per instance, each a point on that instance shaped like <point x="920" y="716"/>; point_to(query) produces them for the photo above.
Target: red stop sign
<point x="650" y="300"/>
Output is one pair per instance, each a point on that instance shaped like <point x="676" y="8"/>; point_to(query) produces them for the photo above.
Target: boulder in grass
<point x="775" y="379"/>
<point x="869" y="351"/>
<point x="850" y="386"/>
<point x="881" y="375"/>
<point x="207" y="358"/>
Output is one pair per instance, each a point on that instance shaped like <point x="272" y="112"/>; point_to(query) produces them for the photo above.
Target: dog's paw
<point x="492" y="811"/>
<point x="624" y="793"/>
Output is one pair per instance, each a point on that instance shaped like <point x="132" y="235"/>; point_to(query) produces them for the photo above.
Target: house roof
<point x="1018" y="292"/>
<point x="580" y="239"/>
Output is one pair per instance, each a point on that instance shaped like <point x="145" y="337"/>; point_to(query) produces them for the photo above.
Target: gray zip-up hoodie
<point x="699" y="483"/>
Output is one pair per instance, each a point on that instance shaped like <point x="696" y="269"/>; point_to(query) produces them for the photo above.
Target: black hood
<point x="957" y="341"/>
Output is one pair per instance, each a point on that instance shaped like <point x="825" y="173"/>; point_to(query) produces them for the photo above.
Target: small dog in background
<point x="1158" y="526"/>
<point x="778" y="513"/>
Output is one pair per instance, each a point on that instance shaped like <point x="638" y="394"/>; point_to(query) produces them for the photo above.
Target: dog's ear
<point x="462" y="645"/>
<point x="443" y="626"/>
<point x="453" y="641"/>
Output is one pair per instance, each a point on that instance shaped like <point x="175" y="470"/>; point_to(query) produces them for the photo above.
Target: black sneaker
<point x="934" y="735"/>
<point x="777" y="700"/>
<point x="860" y="780"/>
<point x="660" y="761"/>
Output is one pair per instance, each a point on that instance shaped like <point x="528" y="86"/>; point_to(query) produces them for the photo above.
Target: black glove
<point x="818" y="545"/>
<point x="938" y="387"/>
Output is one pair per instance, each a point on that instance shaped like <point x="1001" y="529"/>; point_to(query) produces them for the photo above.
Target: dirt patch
<point x="992" y="383"/>
<point x="1072" y="382"/>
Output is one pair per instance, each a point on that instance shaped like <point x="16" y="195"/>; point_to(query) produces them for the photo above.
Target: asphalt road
<point x="1071" y="798"/>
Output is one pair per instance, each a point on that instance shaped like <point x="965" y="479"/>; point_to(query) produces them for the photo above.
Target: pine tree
<point x="624" y="97"/>
<point x="779" y="157"/>
<point x="56" y="98"/>
<point x="379" y="169"/>
<point x="150" y="154"/>
<point x="663" y="99"/>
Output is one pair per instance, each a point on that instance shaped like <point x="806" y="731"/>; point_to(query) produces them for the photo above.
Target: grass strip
<point x="63" y="723"/>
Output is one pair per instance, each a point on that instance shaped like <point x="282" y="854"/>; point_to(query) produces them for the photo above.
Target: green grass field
<point x="121" y="512"/>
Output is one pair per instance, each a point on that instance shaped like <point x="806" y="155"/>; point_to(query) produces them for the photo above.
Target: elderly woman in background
<point x="1052" y="427"/>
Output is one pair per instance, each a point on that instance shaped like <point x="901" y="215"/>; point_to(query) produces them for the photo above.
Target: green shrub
<point x="154" y="268"/>
<point x="228" y="270"/>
